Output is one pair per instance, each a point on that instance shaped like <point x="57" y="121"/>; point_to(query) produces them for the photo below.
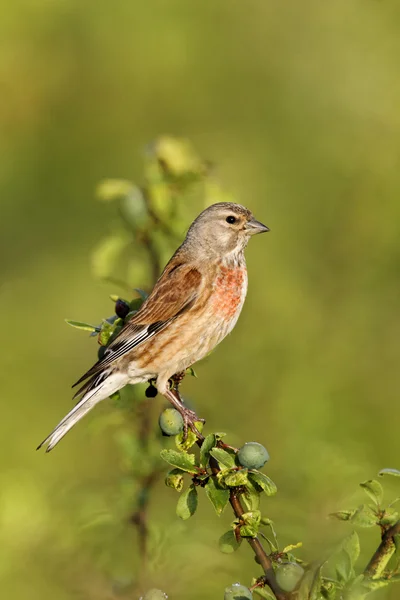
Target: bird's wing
<point x="175" y="292"/>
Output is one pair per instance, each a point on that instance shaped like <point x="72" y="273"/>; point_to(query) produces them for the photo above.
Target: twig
<point x="383" y="554"/>
<point x="255" y="544"/>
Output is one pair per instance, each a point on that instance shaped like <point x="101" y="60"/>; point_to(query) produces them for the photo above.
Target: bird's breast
<point x="229" y="290"/>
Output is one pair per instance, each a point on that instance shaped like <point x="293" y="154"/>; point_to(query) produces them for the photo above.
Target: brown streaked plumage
<point x="193" y="306"/>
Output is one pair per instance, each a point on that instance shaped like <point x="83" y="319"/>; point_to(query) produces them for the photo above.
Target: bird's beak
<point x="253" y="227"/>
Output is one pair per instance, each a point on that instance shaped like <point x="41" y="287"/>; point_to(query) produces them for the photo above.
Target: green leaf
<point x="187" y="503"/>
<point x="191" y="438"/>
<point x="223" y="457"/>
<point x="248" y="531"/>
<point x="180" y="460"/>
<point x="351" y="545"/>
<point x="315" y="591"/>
<point x="263" y="482"/>
<point x="394" y="472"/>
<point x="174" y="480"/>
<point x="109" y="190"/>
<point x="133" y="209"/>
<point x="390" y="517"/>
<point x="364" y="516"/>
<point x="218" y="496"/>
<point x="108" y="252"/>
<point x="343" y="566"/>
<point x="252" y="517"/>
<point x="83" y="326"/>
<point x="343" y="515"/>
<point x="228" y="543"/>
<point x="143" y="295"/>
<point x="374" y="490"/>
<point x="208" y="443"/>
<point x="291" y="547"/>
<point x="251" y="496"/>
<point x="235" y="478"/>
<point x="191" y="371"/>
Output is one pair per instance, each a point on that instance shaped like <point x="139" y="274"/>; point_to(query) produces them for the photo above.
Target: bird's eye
<point x="231" y="219"/>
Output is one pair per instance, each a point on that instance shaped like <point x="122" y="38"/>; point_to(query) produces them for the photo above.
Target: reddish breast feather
<point x="228" y="295"/>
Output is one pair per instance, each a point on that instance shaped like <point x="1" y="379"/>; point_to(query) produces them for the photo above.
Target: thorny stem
<point x="383" y="554"/>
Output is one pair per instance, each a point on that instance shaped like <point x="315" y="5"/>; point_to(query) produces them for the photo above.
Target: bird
<point x="193" y="306"/>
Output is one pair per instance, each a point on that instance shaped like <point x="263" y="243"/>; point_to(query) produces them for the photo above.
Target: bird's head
<point x="224" y="228"/>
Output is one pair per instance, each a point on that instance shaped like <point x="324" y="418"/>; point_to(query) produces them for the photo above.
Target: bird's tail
<point x="97" y="389"/>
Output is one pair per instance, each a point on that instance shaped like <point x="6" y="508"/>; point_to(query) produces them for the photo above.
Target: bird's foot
<point x="190" y="419"/>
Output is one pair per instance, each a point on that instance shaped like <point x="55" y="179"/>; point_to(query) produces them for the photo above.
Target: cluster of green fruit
<point x="251" y="456"/>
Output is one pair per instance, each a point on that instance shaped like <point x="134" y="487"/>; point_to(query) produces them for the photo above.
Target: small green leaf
<point x="374" y="490"/>
<point x="83" y="326"/>
<point x="143" y="295"/>
<point x="187" y="503"/>
<point x="291" y="547"/>
<point x="390" y="517"/>
<point x="228" y="542"/>
<point x="218" y="496"/>
<point x="364" y="516"/>
<point x="108" y="253"/>
<point x="343" y="566"/>
<point x="174" y="480"/>
<point x="343" y="515"/>
<point x="315" y="591"/>
<point x="191" y="438"/>
<point x="180" y="460"/>
<point x="208" y="443"/>
<point x="223" y="457"/>
<point x="252" y="517"/>
<point x="263" y="482"/>
<point x="191" y="371"/>
<point x="351" y="544"/>
<point x="263" y="593"/>
<point x="235" y="478"/>
<point x="394" y="472"/>
<point x="248" y="531"/>
<point x="109" y="190"/>
<point x="251" y="496"/>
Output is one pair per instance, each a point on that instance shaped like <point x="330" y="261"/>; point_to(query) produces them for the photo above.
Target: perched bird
<point x="193" y="306"/>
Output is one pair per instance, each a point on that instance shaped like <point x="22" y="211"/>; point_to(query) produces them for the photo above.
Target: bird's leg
<point x="176" y="380"/>
<point x="189" y="416"/>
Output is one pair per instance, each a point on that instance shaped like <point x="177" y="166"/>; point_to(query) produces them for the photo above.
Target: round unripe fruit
<point x="154" y="595"/>
<point x="288" y="576"/>
<point x="237" y="592"/>
<point x="151" y="392"/>
<point x="170" y="421"/>
<point x="252" y="455"/>
<point x="122" y="308"/>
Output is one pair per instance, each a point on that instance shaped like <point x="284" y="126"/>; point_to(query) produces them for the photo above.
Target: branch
<point x="255" y="544"/>
<point x="385" y="551"/>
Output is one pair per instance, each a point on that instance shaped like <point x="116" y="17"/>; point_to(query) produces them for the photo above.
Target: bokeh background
<point x="298" y="105"/>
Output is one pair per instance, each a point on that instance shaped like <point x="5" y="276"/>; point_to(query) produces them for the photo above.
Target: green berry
<point x="288" y="575"/>
<point x="154" y="594"/>
<point x="170" y="421"/>
<point x="237" y="592"/>
<point x="252" y="455"/>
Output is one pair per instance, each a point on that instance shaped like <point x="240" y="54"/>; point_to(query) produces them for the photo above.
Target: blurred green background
<point x="298" y="105"/>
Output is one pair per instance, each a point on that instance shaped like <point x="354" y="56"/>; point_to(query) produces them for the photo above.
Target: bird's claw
<point x="190" y="419"/>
